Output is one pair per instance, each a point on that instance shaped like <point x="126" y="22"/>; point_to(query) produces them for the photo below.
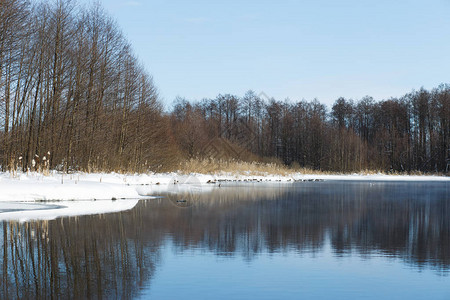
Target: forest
<point x="75" y="96"/>
<point x="404" y="134"/>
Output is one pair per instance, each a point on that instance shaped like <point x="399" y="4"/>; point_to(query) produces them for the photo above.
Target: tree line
<point x="72" y="90"/>
<point x="405" y="134"/>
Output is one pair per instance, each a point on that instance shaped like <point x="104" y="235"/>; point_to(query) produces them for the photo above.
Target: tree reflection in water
<point x="103" y="256"/>
<point x="114" y="255"/>
<point x="410" y="221"/>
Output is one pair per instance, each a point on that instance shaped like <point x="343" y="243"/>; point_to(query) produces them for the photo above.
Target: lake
<point x="304" y="240"/>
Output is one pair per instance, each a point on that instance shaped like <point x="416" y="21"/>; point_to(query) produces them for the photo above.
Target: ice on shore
<point x="25" y="211"/>
<point x="34" y="196"/>
<point x="101" y="186"/>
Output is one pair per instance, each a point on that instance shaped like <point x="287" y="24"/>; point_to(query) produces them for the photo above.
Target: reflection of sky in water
<point x="336" y="240"/>
<point x="195" y="274"/>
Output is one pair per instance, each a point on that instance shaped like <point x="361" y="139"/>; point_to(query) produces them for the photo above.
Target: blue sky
<point x="289" y="49"/>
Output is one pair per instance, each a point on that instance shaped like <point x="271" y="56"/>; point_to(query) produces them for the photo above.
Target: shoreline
<point x="56" y="186"/>
<point x="33" y="196"/>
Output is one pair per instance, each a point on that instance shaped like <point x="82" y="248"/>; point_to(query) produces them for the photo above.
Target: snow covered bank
<point x="373" y="177"/>
<point x="62" y="195"/>
<point x="57" y="187"/>
<point x="20" y="211"/>
<point x="100" y="186"/>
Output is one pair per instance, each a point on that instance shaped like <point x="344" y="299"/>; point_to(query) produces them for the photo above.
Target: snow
<point x="33" y="188"/>
<point x="102" y="186"/>
<point x="81" y="193"/>
<point x="22" y="211"/>
<point x="374" y="177"/>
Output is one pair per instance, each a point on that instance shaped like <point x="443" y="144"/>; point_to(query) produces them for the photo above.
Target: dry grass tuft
<point x="214" y="166"/>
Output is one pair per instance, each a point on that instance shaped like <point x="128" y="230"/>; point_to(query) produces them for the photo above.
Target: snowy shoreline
<point x="33" y="196"/>
<point x="112" y="186"/>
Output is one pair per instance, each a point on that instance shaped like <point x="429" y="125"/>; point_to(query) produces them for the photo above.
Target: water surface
<point x="320" y="240"/>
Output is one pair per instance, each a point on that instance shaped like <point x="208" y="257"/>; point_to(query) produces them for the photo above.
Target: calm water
<point x="315" y="240"/>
